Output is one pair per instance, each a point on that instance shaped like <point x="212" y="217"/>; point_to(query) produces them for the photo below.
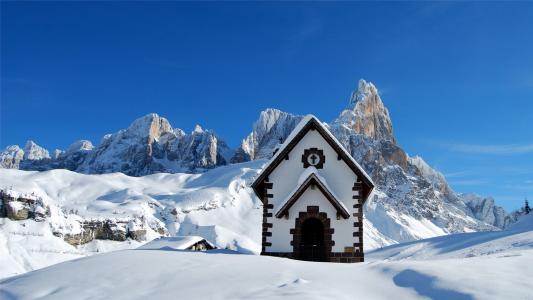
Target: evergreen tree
<point x="527" y="209"/>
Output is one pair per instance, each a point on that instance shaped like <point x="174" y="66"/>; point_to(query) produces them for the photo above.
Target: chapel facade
<point x="313" y="193"/>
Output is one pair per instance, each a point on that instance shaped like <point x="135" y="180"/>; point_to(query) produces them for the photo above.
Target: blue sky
<point x="457" y="77"/>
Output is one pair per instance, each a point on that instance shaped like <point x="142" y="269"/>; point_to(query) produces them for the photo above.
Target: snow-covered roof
<point x="310" y="176"/>
<point x="288" y="145"/>
<point x="174" y="243"/>
<point x="291" y="136"/>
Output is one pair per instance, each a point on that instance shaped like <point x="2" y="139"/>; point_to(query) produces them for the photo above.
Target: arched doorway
<point x="312" y="240"/>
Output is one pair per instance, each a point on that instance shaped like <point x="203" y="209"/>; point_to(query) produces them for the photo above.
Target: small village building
<point x="313" y="193"/>
<point x="193" y="243"/>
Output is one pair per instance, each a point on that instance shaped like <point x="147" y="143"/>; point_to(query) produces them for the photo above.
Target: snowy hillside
<point x="466" y="266"/>
<point x="218" y="205"/>
<point x="509" y="242"/>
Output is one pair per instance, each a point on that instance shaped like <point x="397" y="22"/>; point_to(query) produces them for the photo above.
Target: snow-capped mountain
<point x="485" y="209"/>
<point x="411" y="200"/>
<point x="11" y="157"/>
<point x="149" y="145"/>
<point x="33" y="151"/>
<point x="268" y="132"/>
<point x="408" y="190"/>
<point x="366" y="114"/>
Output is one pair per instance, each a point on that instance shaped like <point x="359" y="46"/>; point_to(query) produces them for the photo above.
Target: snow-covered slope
<point x="512" y="241"/>
<point x="218" y="205"/>
<point x="466" y="266"/>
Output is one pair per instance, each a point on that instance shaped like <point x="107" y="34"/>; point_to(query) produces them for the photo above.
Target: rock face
<point x="17" y="207"/>
<point x="149" y="145"/>
<point x="11" y="157"/>
<point x="33" y="151"/>
<point x="73" y="157"/>
<point x="270" y="130"/>
<point x="485" y="209"/>
<point x="407" y="187"/>
<point x="104" y="230"/>
<point x="366" y="114"/>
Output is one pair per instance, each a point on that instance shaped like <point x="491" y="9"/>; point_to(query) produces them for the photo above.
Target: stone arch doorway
<point x="312" y="247"/>
<point x="317" y="232"/>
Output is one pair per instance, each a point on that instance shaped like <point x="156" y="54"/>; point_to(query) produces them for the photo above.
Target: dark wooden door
<point x="312" y="240"/>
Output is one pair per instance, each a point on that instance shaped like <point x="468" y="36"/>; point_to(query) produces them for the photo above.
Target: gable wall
<point x="337" y="174"/>
<point x="340" y="180"/>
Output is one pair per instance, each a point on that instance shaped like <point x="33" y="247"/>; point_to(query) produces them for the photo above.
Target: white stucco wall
<point x="338" y="176"/>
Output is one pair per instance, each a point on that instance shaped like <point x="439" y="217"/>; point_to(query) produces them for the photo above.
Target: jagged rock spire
<point x="272" y="127"/>
<point x="32" y="151"/>
<point x="151" y="126"/>
<point x="366" y="114"/>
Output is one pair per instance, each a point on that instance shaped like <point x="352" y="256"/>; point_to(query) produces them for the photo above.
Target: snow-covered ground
<point x="29" y="245"/>
<point x="490" y="265"/>
<point x="218" y="205"/>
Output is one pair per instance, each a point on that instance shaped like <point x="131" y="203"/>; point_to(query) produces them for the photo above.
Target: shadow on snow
<point x="425" y="285"/>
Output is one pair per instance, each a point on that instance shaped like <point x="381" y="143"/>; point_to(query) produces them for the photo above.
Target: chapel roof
<point x="311" y="122"/>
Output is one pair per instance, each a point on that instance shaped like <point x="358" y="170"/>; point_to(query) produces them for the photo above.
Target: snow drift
<point x="495" y="268"/>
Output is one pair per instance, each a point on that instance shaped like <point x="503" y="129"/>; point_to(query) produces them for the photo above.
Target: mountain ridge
<point x="151" y="145"/>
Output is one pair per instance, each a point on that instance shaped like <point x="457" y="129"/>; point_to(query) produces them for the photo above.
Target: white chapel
<point x="313" y="193"/>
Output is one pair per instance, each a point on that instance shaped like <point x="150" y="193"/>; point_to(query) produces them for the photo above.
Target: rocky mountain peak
<point x="57" y="153"/>
<point x="272" y="127"/>
<point x="151" y="126"/>
<point x="485" y="209"/>
<point x="365" y="89"/>
<point x="81" y="145"/>
<point x="149" y="145"/>
<point x="32" y="151"/>
<point x="10" y="158"/>
<point x="198" y="129"/>
<point x="268" y="119"/>
<point x="366" y="114"/>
